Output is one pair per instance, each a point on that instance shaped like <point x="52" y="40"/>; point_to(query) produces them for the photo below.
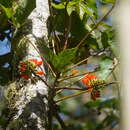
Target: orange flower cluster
<point x="36" y="62"/>
<point x="87" y="80"/>
<point x="74" y="72"/>
<point x="27" y="66"/>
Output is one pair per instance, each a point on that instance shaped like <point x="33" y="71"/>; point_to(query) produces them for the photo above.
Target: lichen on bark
<point x="28" y="102"/>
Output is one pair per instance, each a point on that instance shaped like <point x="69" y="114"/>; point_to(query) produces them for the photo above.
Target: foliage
<point x="64" y="58"/>
<point x="80" y="39"/>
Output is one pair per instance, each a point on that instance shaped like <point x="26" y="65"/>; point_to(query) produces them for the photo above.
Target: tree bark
<point x="123" y="28"/>
<point x="29" y="109"/>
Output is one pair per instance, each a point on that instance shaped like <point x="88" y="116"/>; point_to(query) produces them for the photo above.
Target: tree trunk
<point x="28" y="108"/>
<point x="123" y="27"/>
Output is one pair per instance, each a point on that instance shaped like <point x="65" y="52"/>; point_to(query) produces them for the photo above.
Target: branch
<point x="71" y="76"/>
<point x="60" y="121"/>
<point x="68" y="88"/>
<point x="41" y="79"/>
<point x="80" y="93"/>
<point x="104" y="84"/>
<point x="66" y="32"/>
<point x="71" y="96"/>
<point x="95" y="26"/>
<point x="80" y="62"/>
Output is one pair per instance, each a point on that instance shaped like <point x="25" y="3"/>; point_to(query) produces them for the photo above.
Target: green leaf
<point x="108" y="1"/>
<point x="92" y="4"/>
<point x="111" y="119"/>
<point x="58" y="6"/>
<point x="93" y="103"/>
<point x="86" y="9"/>
<point x="6" y="3"/>
<point x="72" y="6"/>
<point x="23" y="10"/>
<point x="4" y="24"/>
<point x="105" y="68"/>
<point x="101" y="104"/>
<point x="5" y="75"/>
<point x="105" y="25"/>
<point x="110" y="103"/>
<point x="81" y="13"/>
<point x="104" y="39"/>
<point x="3" y="121"/>
<point x="8" y="11"/>
<point x="70" y="9"/>
<point x="64" y="58"/>
<point x="93" y="43"/>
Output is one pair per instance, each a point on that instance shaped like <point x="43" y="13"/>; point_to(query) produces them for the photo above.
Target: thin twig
<point x="49" y="66"/>
<point x="67" y="33"/>
<point x="50" y="23"/>
<point x="57" y="42"/>
<point x="114" y="67"/>
<point x="41" y="78"/>
<point x="71" y="96"/>
<point x="71" y="76"/>
<point x="117" y="84"/>
<point x="65" y="26"/>
<point x="95" y="26"/>
<point x="59" y="91"/>
<point x="80" y="62"/>
<point x="56" y="79"/>
<point x="80" y="93"/>
<point x="68" y="88"/>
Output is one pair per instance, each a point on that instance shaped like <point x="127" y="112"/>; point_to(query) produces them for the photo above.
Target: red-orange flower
<point x="39" y="63"/>
<point x="22" y="63"/>
<point x="40" y="73"/>
<point x="24" y="76"/>
<point x="95" y="94"/>
<point x="74" y="72"/>
<point x="22" y="69"/>
<point x="36" y="62"/>
<point x="33" y="60"/>
<point x="86" y="80"/>
<point x="26" y="66"/>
